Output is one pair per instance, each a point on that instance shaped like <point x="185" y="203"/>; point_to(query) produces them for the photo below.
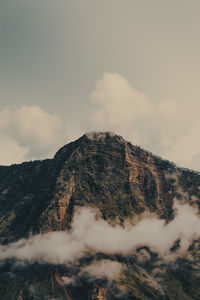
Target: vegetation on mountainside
<point x="119" y="179"/>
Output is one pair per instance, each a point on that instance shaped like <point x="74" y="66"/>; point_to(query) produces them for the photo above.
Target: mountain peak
<point x="41" y="200"/>
<point x="98" y="135"/>
<point x="94" y="137"/>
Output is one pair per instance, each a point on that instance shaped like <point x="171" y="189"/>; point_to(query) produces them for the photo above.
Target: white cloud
<point x="92" y="235"/>
<point x="166" y="128"/>
<point x="10" y="151"/>
<point x="121" y="103"/>
<point x="30" y="133"/>
<point x="68" y="280"/>
<point x="104" y="268"/>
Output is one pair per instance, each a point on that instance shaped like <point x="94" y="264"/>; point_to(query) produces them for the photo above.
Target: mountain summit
<point x="100" y="172"/>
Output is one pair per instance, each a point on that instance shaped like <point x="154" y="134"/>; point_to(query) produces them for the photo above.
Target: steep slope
<point x="99" y="170"/>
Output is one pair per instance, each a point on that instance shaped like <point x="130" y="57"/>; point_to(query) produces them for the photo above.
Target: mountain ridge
<point x="99" y="170"/>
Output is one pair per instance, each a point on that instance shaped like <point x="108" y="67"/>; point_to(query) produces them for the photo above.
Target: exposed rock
<point x="99" y="170"/>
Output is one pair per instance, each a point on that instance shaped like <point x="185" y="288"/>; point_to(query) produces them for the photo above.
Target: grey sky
<point x="52" y="53"/>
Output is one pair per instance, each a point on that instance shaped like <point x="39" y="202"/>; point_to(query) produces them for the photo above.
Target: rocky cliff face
<point x="99" y="170"/>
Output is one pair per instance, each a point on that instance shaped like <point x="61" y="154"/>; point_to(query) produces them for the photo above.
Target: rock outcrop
<point x="123" y="181"/>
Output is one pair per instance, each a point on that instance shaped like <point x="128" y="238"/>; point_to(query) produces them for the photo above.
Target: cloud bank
<point x="167" y="128"/>
<point x="90" y="235"/>
<point x="28" y="132"/>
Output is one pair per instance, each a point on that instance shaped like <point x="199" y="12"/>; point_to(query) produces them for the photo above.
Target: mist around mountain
<point x="103" y="219"/>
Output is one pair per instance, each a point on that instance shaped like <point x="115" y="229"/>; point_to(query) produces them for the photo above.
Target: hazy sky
<point x="71" y="66"/>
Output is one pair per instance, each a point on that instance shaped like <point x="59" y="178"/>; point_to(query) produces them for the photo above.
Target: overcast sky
<point x="72" y="66"/>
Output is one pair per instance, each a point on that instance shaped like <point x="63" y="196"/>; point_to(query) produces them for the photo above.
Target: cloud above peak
<point x="119" y="101"/>
<point x="167" y="128"/>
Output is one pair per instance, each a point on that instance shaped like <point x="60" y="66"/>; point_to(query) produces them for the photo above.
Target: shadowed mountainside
<point x="99" y="170"/>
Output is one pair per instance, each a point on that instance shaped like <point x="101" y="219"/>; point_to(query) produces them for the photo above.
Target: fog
<point x="90" y="234"/>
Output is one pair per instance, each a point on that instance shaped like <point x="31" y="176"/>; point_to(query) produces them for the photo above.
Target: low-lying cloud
<point x="103" y="268"/>
<point x="90" y="235"/>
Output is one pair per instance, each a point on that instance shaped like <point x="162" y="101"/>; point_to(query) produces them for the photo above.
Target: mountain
<point x="39" y="201"/>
